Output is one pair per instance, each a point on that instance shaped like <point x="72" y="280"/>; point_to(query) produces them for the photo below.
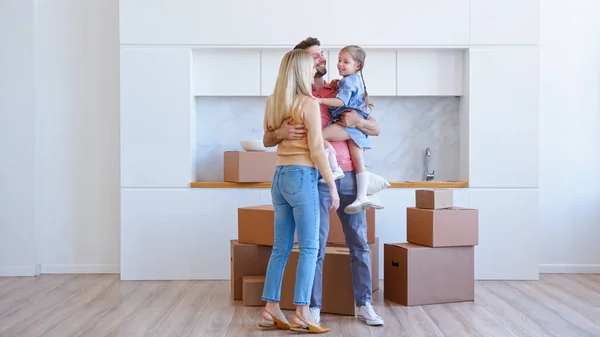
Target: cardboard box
<point x="247" y="260"/>
<point x="252" y="289"/>
<point x="420" y="275"/>
<point x="249" y="167"/>
<point x="434" y="198"/>
<point x="338" y="293"/>
<point x="256" y="225"/>
<point x="447" y="227"/>
<point x="336" y="233"/>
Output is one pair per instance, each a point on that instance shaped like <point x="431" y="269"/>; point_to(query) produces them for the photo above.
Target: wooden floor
<point x="101" y="305"/>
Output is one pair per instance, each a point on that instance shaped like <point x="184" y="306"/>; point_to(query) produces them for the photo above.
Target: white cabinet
<point x="223" y="22"/>
<point x="225" y="72"/>
<point x="169" y="234"/>
<point x="508" y="234"/>
<point x="505" y="22"/>
<point x="157" y="118"/>
<point x="379" y="73"/>
<point x="270" y="60"/>
<point x="503" y="117"/>
<point x="430" y="72"/>
<point x="398" y="22"/>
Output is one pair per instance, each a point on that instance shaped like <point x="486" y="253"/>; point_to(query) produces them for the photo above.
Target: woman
<point x="294" y="191"/>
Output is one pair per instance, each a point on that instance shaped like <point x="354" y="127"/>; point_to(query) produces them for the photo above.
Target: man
<point x="355" y="225"/>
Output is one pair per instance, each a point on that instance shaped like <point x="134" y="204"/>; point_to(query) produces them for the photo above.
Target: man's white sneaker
<point x="367" y="314"/>
<point x="316" y="314"/>
<point x="337" y="174"/>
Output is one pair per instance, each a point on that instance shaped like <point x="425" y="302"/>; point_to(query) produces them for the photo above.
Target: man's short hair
<point x="307" y="43"/>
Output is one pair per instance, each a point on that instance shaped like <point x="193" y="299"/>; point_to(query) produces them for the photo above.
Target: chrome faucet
<point x="428" y="176"/>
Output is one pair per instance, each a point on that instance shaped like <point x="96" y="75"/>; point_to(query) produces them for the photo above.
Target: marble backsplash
<point x="408" y="126"/>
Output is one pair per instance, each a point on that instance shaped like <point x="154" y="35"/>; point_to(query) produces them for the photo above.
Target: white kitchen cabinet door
<point x="505" y="22"/>
<point x="226" y="72"/>
<point x="157" y="118"/>
<point x="509" y="234"/>
<point x="398" y="22"/>
<point x="431" y="72"/>
<point x="223" y="22"/>
<point x="503" y="117"/>
<point x="165" y="232"/>
<point x="270" y="60"/>
<point x="379" y="72"/>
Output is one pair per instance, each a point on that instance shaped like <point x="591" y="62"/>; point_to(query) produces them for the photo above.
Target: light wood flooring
<point x="102" y="305"/>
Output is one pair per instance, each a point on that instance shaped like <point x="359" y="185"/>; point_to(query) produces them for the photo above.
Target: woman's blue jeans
<point x="296" y="204"/>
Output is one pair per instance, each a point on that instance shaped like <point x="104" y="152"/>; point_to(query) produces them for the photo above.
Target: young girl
<point x="351" y="94"/>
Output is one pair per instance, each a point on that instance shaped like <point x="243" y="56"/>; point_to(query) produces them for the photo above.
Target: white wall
<point x="75" y="87"/>
<point x="570" y="136"/>
<point x="17" y="152"/>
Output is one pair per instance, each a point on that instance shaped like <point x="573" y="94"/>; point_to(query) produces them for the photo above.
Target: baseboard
<point x="570" y="269"/>
<point x="81" y="269"/>
<point x="17" y="271"/>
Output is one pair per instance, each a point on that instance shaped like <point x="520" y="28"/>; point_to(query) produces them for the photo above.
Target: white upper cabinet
<point x="379" y="73"/>
<point x="270" y="60"/>
<point x="398" y="22"/>
<point x="223" y="22"/>
<point x="505" y="22"/>
<point x="221" y="72"/>
<point x="430" y="72"/>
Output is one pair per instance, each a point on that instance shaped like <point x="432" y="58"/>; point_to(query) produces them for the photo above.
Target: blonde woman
<point x="294" y="191"/>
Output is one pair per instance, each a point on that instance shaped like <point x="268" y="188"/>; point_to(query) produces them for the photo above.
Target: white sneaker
<point x="367" y="314"/>
<point x="316" y="314"/>
<point x="337" y="174"/>
<point x="360" y="204"/>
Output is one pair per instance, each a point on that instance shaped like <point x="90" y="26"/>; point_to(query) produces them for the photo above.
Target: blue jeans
<point x="355" y="232"/>
<point x="296" y="204"/>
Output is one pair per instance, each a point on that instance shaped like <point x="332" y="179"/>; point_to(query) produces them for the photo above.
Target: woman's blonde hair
<point x="294" y="82"/>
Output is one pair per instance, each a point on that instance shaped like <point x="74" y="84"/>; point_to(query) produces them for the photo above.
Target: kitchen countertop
<point x="395" y="184"/>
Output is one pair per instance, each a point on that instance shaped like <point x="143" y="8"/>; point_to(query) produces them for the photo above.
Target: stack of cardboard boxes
<point x="436" y="265"/>
<point x="251" y="251"/>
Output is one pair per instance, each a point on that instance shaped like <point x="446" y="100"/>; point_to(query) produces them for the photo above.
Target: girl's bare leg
<point x="362" y="202"/>
<point x="333" y="132"/>
<point x="357" y="157"/>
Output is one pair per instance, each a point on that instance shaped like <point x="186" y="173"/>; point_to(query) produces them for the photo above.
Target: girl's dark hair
<point x="358" y="55"/>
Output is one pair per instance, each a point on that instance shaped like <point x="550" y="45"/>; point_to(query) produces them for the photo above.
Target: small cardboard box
<point x="256" y="225"/>
<point x="442" y="227"/>
<point x="434" y="198"/>
<point x="247" y="260"/>
<point x="249" y="167"/>
<point x="420" y="275"/>
<point x="336" y="232"/>
<point x="338" y="293"/>
<point x="252" y="288"/>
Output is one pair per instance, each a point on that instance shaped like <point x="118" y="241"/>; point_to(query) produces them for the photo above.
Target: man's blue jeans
<point x="296" y="204"/>
<point x="355" y="231"/>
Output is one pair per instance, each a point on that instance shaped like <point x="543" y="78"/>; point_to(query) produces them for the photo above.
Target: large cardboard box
<point x="434" y="198"/>
<point x="442" y="227"/>
<point x="252" y="289"/>
<point x="249" y="167"/>
<point x="256" y="225"/>
<point x="338" y="294"/>
<point x="420" y="275"/>
<point x="247" y="260"/>
<point x="336" y="232"/>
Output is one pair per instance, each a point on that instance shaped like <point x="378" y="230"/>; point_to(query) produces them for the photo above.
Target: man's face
<point x="319" y="60"/>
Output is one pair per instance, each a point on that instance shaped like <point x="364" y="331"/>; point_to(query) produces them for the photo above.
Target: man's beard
<point x="321" y="72"/>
